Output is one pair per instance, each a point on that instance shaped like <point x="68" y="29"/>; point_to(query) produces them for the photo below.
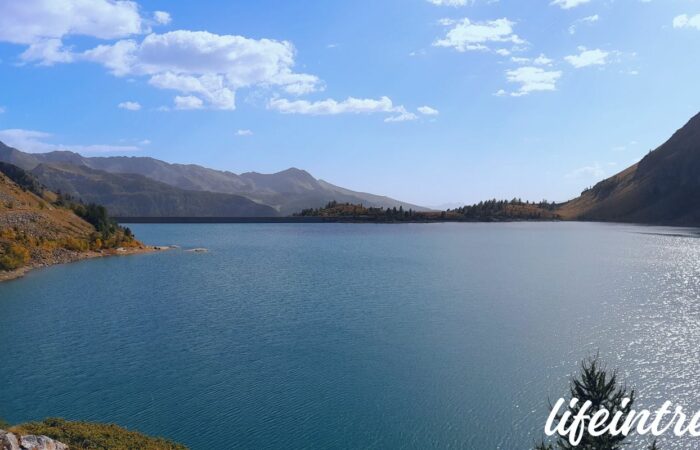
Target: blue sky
<point x="428" y="101"/>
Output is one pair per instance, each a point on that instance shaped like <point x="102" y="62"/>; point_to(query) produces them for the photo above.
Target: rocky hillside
<point x="59" y="434"/>
<point x="288" y="191"/>
<point x="38" y="228"/>
<point x="11" y="441"/>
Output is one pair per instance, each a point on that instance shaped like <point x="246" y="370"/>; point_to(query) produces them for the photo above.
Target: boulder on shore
<point x="9" y="441"/>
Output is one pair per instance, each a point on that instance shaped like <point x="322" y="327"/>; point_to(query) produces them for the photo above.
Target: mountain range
<point x="662" y="188"/>
<point x="148" y="187"/>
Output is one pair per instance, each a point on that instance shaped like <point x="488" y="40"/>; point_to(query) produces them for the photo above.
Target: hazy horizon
<point x="432" y="102"/>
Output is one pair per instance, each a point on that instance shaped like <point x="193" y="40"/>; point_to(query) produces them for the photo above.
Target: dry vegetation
<point x="93" y="436"/>
<point x="38" y="228"/>
<point x="488" y="211"/>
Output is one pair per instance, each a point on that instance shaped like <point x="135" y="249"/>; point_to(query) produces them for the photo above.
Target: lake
<point x="353" y="335"/>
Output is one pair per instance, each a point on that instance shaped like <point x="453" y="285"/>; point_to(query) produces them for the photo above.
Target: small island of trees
<point x="485" y="211"/>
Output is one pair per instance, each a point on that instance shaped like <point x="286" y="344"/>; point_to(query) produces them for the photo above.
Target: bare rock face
<point x="9" y="441"/>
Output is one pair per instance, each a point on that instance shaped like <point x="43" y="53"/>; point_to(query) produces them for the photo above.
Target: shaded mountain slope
<point x="136" y="195"/>
<point x="288" y="191"/>
<point x="663" y="188"/>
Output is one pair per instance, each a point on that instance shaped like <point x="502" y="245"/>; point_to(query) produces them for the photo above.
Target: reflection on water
<point x="353" y="336"/>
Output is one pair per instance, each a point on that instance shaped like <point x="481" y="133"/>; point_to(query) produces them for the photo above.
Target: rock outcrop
<point x="10" y="441"/>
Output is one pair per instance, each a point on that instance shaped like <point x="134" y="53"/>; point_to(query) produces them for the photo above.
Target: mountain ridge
<point x="288" y="191"/>
<point x="662" y="188"/>
<point x="139" y="196"/>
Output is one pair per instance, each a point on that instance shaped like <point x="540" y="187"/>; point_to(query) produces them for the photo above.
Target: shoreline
<point x="122" y="251"/>
<point x="305" y="219"/>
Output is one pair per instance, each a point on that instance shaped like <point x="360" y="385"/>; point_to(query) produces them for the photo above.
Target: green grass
<point x="94" y="436"/>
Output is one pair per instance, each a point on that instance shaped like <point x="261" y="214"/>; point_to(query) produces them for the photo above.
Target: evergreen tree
<point x="595" y="383"/>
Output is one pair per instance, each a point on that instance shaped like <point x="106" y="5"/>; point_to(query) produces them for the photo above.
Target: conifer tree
<point x="595" y="383"/>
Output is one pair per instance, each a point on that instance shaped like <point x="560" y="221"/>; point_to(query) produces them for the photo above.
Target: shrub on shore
<point x="13" y="256"/>
<point x="94" y="436"/>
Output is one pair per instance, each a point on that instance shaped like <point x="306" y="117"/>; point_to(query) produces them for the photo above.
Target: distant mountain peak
<point x="288" y="191"/>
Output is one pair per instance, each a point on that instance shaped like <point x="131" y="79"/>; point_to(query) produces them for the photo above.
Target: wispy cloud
<point x="131" y="106"/>
<point x="532" y="79"/>
<point x="351" y="105"/>
<point x="188" y="102"/>
<point x="428" y="111"/>
<point x="568" y="4"/>
<point x="450" y="2"/>
<point x="594" y="171"/>
<point x="686" y="21"/>
<point x="162" y="17"/>
<point x="585" y="58"/>
<point x="584" y="21"/>
<point x="33" y="141"/>
<point x="464" y="35"/>
<point x="244" y="133"/>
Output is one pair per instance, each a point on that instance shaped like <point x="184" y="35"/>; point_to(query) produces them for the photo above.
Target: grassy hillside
<point x="93" y="436"/>
<point x="38" y="227"/>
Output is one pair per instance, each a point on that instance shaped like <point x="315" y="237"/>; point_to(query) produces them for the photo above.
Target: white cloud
<point x="532" y="79"/>
<point x="541" y="60"/>
<point x="210" y="65"/>
<point x="47" y="52"/>
<point x="145" y="142"/>
<point x="36" y="142"/>
<point x="568" y="4"/>
<point x="244" y="133"/>
<point x="131" y="106"/>
<point x="204" y="69"/>
<point x="188" y="102"/>
<point x="449" y="2"/>
<point x="31" y="21"/>
<point x="467" y="35"/>
<point x="595" y="171"/>
<point x="348" y="106"/>
<point x="162" y="17"/>
<point x="428" y="111"/>
<point x="210" y="86"/>
<point x="500" y="93"/>
<point x="118" y="58"/>
<point x="686" y="21"/>
<point x="402" y="116"/>
<point x="331" y="107"/>
<point x="2" y="110"/>
<point x="587" y="58"/>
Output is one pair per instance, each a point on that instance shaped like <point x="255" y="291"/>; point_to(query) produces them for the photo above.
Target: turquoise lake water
<point x="350" y="335"/>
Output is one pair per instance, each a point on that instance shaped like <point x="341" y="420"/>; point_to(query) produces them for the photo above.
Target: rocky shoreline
<point x="11" y="441"/>
<point x="62" y="256"/>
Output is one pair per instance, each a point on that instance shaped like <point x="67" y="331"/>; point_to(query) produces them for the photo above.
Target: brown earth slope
<point x="663" y="188"/>
<point x="35" y="232"/>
